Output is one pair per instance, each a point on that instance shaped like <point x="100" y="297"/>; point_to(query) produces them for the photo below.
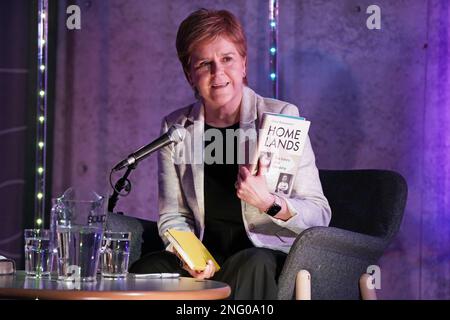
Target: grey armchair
<point x="367" y="208"/>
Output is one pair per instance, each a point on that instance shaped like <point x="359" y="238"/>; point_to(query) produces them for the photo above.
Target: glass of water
<point x="115" y="254"/>
<point x="37" y="252"/>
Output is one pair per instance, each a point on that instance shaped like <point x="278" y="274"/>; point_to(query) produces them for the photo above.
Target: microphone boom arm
<point x="175" y="134"/>
<point x="119" y="186"/>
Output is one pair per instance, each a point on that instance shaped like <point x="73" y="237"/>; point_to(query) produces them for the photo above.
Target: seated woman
<point x="247" y="229"/>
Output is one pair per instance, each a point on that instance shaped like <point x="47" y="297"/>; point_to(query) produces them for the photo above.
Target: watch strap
<point x="274" y="208"/>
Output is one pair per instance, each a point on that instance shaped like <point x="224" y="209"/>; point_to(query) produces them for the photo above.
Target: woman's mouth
<point x="220" y="85"/>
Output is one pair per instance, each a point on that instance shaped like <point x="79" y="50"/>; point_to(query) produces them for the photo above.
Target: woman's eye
<point x="203" y="64"/>
<point x="227" y="59"/>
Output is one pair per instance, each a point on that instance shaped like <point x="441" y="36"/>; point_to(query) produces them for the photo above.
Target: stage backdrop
<point x="376" y="99"/>
<point x="15" y="127"/>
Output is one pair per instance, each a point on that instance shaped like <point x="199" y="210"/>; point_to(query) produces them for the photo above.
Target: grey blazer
<point x="181" y="184"/>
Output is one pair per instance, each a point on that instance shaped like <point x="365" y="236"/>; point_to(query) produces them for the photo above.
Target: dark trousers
<point x="252" y="273"/>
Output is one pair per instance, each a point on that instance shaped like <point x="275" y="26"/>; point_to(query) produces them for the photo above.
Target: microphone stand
<point x="119" y="186"/>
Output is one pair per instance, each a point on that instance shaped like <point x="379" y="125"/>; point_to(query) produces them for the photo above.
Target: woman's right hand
<point x="205" y="274"/>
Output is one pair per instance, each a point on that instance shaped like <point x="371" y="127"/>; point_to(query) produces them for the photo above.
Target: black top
<point x="224" y="228"/>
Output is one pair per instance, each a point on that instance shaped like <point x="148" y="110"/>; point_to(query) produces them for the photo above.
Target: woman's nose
<point x="216" y="68"/>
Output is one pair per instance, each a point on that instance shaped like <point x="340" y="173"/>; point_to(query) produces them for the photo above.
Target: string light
<point x="41" y="109"/>
<point x="273" y="22"/>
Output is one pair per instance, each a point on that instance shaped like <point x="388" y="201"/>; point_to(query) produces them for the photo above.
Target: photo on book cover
<point x="284" y="183"/>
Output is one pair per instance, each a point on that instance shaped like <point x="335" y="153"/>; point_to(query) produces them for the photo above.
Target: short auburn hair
<point x="207" y="25"/>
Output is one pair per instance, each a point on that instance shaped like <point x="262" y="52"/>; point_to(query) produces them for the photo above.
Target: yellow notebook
<point x="191" y="249"/>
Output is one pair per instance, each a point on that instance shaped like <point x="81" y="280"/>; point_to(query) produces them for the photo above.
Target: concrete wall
<point x="376" y="98"/>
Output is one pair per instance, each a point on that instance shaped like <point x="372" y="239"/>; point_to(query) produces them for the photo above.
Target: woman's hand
<point x="253" y="189"/>
<point x="205" y="274"/>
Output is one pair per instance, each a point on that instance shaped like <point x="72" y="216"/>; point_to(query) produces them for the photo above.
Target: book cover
<point x="280" y="146"/>
<point x="7" y="266"/>
<point x="191" y="249"/>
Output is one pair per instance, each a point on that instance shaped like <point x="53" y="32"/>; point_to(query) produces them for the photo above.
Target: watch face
<point x="274" y="209"/>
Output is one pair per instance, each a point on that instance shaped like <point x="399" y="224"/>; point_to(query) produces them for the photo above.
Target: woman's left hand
<point x="253" y="189"/>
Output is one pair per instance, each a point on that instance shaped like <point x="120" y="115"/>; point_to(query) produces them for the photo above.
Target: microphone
<point x="175" y="134"/>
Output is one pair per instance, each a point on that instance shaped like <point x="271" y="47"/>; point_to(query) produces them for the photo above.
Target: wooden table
<point x="21" y="286"/>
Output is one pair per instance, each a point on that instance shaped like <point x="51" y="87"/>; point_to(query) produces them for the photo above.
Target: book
<point x="191" y="249"/>
<point x="7" y="266"/>
<point x="281" y="142"/>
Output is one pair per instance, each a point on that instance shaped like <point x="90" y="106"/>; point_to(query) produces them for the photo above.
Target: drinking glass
<point x="37" y="252"/>
<point x="115" y="254"/>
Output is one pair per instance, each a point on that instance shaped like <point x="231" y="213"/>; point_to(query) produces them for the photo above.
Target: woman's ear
<point x="188" y="78"/>
<point x="191" y="83"/>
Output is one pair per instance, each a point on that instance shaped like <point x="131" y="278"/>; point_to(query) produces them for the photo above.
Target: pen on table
<point x="154" y="275"/>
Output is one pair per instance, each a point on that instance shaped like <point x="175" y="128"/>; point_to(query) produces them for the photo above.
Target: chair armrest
<point x="335" y="258"/>
<point x="345" y="242"/>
